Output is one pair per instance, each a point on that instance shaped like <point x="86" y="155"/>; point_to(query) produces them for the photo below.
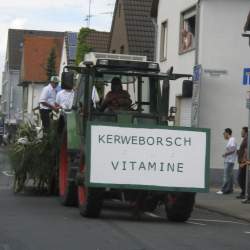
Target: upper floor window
<point x="163" y="45"/>
<point x="122" y="49"/>
<point x="188" y="29"/>
<point x="119" y="9"/>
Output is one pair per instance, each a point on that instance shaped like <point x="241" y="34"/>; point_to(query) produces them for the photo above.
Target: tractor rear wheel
<point x="179" y="206"/>
<point x="67" y="186"/>
<point x="90" y="201"/>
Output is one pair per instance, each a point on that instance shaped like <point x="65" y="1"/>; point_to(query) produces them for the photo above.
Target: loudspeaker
<point x="67" y="80"/>
<point x="187" y="88"/>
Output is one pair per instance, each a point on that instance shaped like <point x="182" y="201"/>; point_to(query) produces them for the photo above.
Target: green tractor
<point x="126" y="150"/>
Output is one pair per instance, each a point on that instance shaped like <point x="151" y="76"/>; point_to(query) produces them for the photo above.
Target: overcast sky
<point x="55" y="15"/>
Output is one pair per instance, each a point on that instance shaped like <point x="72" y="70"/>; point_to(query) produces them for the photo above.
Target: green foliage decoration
<point x="36" y="159"/>
<point x="51" y="64"/>
<point x="82" y="46"/>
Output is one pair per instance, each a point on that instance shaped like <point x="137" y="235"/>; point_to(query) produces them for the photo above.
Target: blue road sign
<point x="197" y="73"/>
<point x="246" y="76"/>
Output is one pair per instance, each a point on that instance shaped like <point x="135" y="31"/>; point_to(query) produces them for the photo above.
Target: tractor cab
<point x="141" y="82"/>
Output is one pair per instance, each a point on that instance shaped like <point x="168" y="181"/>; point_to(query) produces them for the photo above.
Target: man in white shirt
<point x="64" y="99"/>
<point x="230" y="156"/>
<point x="47" y="101"/>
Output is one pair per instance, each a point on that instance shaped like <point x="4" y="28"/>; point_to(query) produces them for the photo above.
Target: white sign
<point x="162" y="158"/>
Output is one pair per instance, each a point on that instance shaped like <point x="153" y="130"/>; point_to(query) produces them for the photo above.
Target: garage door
<point x="185" y="112"/>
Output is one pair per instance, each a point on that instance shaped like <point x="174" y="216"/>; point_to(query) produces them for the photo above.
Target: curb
<point x="219" y="211"/>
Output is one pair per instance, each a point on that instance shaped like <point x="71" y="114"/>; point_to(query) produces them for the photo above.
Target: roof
<point x="154" y="9"/>
<point x="15" y="44"/>
<point x="71" y="45"/>
<point x="36" y="50"/>
<point x="98" y="41"/>
<point x="139" y="25"/>
<point x="247" y="25"/>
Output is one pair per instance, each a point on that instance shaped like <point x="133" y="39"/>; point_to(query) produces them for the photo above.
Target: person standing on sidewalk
<point x="242" y="152"/>
<point x="229" y="156"/>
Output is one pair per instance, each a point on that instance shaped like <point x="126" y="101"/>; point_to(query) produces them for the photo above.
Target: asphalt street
<point x="29" y="222"/>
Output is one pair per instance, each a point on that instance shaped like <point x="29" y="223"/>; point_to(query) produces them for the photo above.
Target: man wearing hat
<point x="47" y="101"/>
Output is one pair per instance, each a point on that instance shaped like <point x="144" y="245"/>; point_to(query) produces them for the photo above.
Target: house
<point x="33" y="77"/>
<point x="206" y="34"/>
<point x="97" y="41"/>
<point x="11" y="93"/>
<point x="133" y="30"/>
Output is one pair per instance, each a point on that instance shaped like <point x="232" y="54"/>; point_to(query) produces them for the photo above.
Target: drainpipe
<point x="197" y="25"/>
<point x="155" y="37"/>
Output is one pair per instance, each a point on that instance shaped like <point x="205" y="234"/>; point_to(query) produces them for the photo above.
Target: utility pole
<point x="246" y="200"/>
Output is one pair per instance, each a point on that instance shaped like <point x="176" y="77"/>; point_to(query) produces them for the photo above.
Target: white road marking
<point x="152" y="215"/>
<point x="247" y="232"/>
<point x="195" y="223"/>
<point x="7" y="173"/>
<point x="221" y="221"/>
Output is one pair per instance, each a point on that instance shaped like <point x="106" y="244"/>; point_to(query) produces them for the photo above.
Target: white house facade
<point x="207" y="33"/>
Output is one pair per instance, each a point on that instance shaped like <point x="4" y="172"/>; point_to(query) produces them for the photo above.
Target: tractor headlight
<point x="153" y="66"/>
<point x="103" y="62"/>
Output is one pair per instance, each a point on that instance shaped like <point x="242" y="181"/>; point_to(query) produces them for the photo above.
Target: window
<point x="187" y="30"/>
<point x="25" y="98"/>
<point x="113" y="51"/>
<point x="163" y="45"/>
<point x="122" y="49"/>
<point x="119" y="11"/>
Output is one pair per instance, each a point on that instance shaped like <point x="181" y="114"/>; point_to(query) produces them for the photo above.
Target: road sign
<point x="156" y="158"/>
<point x="246" y="76"/>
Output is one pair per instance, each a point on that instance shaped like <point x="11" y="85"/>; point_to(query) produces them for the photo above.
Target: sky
<point x="54" y="15"/>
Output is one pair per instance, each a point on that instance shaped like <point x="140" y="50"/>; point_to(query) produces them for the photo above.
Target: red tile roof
<point x="36" y="50"/>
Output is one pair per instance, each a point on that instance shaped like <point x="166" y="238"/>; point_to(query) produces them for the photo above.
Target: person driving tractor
<point x="117" y="98"/>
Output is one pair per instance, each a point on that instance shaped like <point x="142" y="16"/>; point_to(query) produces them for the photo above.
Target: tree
<point x="51" y="64"/>
<point x="82" y="46"/>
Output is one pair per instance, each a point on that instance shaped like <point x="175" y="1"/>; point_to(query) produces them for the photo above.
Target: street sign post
<point x="246" y="200"/>
<point x="196" y="95"/>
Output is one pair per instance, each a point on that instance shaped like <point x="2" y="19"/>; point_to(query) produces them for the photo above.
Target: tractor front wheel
<point x="90" y="201"/>
<point x="179" y="206"/>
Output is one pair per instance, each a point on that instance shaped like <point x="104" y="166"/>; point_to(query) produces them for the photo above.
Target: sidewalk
<point x="224" y="204"/>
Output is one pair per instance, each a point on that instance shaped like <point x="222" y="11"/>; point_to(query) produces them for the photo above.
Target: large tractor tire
<point x="90" y="200"/>
<point x="67" y="185"/>
<point x="179" y="206"/>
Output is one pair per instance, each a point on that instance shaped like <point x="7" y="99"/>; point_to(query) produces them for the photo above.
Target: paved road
<point x="29" y="222"/>
<point x="39" y="223"/>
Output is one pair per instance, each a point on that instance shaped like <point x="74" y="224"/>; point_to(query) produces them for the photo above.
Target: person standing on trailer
<point x="47" y="101"/>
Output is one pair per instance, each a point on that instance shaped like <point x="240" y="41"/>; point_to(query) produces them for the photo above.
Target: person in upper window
<point x="187" y="40"/>
<point x="117" y="98"/>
